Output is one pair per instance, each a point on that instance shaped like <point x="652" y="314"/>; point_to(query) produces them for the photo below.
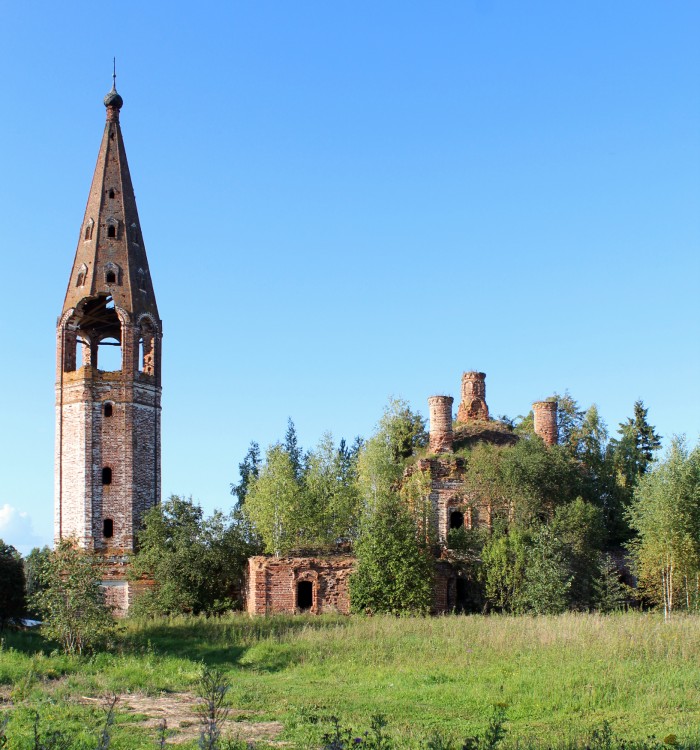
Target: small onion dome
<point x="113" y="99"/>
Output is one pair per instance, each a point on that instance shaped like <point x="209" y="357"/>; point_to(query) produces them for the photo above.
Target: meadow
<point x="560" y="678"/>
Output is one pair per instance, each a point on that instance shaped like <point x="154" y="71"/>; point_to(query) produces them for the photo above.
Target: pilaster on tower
<point x="108" y="368"/>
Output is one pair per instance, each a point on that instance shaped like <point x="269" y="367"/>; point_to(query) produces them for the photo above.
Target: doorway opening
<point x="305" y="596"/>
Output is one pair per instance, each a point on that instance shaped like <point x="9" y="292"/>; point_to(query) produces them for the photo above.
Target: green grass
<point x="560" y="677"/>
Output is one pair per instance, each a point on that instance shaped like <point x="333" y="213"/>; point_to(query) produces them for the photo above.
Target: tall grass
<point x="560" y="677"/>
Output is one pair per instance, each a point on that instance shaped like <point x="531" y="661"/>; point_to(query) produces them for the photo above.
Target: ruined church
<point x="108" y="416"/>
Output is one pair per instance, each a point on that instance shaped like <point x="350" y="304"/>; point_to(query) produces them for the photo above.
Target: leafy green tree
<point x="569" y="417"/>
<point x="12" y="601"/>
<point x="248" y="470"/>
<point x="277" y="506"/>
<point x="547" y="579"/>
<point x="33" y="563"/>
<point x="196" y="563"/>
<point x="394" y="571"/>
<point x="395" y="566"/>
<point x="330" y="487"/>
<point x="71" y="600"/>
<point x="665" y="513"/>
<point x="315" y="509"/>
<point x="504" y="559"/>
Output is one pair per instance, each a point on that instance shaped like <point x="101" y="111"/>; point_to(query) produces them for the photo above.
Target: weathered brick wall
<point x="273" y="583"/>
<point x="545" y="414"/>
<point x="473" y="406"/>
<point x="440" y="423"/>
<point x="448" y="493"/>
<point x="87" y="441"/>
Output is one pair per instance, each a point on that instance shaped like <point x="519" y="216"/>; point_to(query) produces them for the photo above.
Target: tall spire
<point x="111" y="258"/>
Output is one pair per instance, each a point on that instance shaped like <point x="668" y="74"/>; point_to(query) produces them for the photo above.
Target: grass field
<point x="560" y="677"/>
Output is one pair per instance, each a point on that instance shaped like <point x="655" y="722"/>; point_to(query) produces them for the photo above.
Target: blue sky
<point x="347" y="201"/>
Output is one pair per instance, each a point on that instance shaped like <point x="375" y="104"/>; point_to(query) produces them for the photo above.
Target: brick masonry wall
<point x="273" y="581"/>
<point x="448" y="493"/>
<point x="272" y="584"/>
<point x="128" y="442"/>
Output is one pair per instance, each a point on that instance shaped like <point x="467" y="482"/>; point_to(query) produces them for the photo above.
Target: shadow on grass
<point x="28" y="641"/>
<point x="220" y="642"/>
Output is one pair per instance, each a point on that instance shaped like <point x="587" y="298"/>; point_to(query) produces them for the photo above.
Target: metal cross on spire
<point x="114" y="73"/>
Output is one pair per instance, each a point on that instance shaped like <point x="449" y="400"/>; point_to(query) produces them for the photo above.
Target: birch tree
<point x="665" y="513"/>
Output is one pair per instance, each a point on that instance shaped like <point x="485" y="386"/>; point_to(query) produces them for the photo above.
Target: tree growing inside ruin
<point x="305" y="501"/>
<point x="394" y="560"/>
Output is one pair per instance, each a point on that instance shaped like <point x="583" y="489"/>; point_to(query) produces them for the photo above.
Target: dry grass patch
<point x="182" y="713"/>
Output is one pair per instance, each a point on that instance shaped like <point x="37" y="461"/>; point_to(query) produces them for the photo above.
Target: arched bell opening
<point x="92" y="336"/>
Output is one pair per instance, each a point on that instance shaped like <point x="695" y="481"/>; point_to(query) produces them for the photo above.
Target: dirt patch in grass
<point x="182" y="712"/>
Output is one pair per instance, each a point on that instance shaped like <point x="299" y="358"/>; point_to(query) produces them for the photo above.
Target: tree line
<point x="572" y="526"/>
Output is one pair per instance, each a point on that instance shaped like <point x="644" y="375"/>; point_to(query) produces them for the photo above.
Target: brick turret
<point x="440" y="423"/>
<point x="546" y="427"/>
<point x="108" y="380"/>
<point x="473" y="406"/>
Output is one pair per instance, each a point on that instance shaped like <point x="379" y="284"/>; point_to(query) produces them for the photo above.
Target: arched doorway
<point x="305" y="596"/>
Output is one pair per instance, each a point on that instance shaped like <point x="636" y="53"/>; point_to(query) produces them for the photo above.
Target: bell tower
<point x="108" y="373"/>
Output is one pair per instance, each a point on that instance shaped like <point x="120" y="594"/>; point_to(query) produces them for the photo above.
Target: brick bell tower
<point x="108" y="381"/>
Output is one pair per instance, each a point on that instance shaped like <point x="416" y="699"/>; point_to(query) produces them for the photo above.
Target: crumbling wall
<point x="545" y="413"/>
<point x="273" y="584"/>
<point x="473" y="406"/>
<point x="440" y="423"/>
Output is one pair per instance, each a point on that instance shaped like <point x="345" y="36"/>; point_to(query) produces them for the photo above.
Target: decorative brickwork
<point x="546" y="426"/>
<point x="440" y="423"/>
<point x="473" y="406"/>
<point x="107" y="463"/>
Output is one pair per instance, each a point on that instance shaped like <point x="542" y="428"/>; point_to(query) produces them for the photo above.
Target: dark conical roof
<point x="111" y="255"/>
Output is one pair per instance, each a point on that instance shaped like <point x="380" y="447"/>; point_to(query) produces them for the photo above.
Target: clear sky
<point x="343" y="201"/>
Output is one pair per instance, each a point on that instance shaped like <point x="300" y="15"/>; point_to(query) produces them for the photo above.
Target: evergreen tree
<point x="249" y="470"/>
<point x="291" y="445"/>
<point x="578" y="526"/>
<point x="634" y="450"/>
<point x="547" y="579"/>
<point x="610" y="594"/>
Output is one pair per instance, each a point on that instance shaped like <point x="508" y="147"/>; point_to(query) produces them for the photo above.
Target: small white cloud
<point x="16" y="529"/>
